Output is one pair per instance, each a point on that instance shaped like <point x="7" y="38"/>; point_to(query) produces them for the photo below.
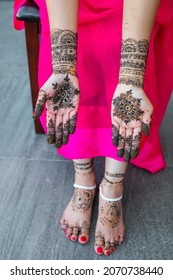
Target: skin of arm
<point x="60" y="93"/>
<point x="131" y="109"/>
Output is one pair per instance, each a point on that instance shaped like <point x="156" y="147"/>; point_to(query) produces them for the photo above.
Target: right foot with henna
<point x="76" y="218"/>
<point x="110" y="226"/>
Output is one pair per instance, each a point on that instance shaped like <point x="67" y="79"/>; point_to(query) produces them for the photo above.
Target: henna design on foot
<point x="114" y="175"/>
<point x="82" y="200"/>
<point x="110" y="214"/>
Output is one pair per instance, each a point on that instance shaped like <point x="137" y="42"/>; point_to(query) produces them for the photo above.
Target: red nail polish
<point x="73" y="238"/>
<point x="83" y="238"/>
<point x="112" y="250"/>
<point x="68" y="236"/>
<point x="99" y="250"/>
<point x="65" y="230"/>
<point x="107" y="253"/>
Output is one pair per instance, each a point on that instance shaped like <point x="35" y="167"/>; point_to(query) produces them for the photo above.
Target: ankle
<point x="112" y="190"/>
<point x="85" y="180"/>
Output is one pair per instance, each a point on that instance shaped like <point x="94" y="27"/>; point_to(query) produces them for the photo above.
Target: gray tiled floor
<point x="35" y="183"/>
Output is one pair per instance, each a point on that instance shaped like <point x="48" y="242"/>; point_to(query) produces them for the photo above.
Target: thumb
<point x="39" y="107"/>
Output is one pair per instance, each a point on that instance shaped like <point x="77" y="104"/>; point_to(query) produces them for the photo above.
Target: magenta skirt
<point x="100" y="31"/>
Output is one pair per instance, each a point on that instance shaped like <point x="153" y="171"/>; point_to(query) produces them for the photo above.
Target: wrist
<point x="133" y="62"/>
<point x="64" y="51"/>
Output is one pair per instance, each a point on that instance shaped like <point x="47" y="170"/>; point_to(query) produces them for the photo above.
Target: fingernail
<point x="145" y="129"/>
<point x="34" y="115"/>
<point x="115" y="141"/>
<point x="72" y="130"/>
<point x="65" y="139"/>
<point x="99" y="250"/>
<point x="50" y="139"/>
<point x="120" y="152"/>
<point x="127" y="156"/>
<point x="58" y="144"/>
<point x="134" y="153"/>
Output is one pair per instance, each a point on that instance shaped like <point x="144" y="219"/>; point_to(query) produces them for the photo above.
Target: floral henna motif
<point x="82" y="200"/>
<point x="65" y="93"/>
<point x="51" y="132"/>
<point x="110" y="214"/>
<point x="127" y="108"/>
<point x="64" y="51"/>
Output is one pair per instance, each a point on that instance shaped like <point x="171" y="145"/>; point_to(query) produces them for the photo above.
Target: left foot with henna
<point x="110" y="226"/>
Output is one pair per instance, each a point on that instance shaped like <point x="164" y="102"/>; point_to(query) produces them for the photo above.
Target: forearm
<point x="138" y="21"/>
<point x="63" y="20"/>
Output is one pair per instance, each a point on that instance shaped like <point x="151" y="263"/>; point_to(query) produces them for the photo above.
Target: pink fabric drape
<point x="99" y="45"/>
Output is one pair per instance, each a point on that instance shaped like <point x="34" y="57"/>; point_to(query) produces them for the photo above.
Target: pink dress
<point x="99" y="33"/>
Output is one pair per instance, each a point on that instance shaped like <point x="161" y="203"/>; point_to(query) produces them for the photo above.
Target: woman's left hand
<point x="131" y="114"/>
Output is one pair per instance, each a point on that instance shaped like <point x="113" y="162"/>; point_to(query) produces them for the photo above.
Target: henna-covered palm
<point x="61" y="95"/>
<point x="131" y="115"/>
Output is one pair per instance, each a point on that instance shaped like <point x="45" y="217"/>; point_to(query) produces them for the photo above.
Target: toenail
<point x="65" y="230"/>
<point x="83" y="238"/>
<point x="112" y="250"/>
<point x="68" y="236"/>
<point x="99" y="250"/>
<point x="108" y="253"/>
<point x="73" y="238"/>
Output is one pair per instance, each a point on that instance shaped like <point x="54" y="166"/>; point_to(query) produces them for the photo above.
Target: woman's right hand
<point x="60" y="93"/>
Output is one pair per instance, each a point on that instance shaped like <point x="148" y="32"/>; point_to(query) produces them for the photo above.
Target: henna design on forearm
<point x="64" y="51"/>
<point x="110" y="214"/>
<point x="64" y="96"/>
<point x="51" y="132"/>
<point x="133" y="62"/>
<point x="82" y="200"/>
<point x="127" y="108"/>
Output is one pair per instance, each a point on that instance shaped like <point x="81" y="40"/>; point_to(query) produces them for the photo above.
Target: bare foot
<point x="110" y="226"/>
<point x="76" y="218"/>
